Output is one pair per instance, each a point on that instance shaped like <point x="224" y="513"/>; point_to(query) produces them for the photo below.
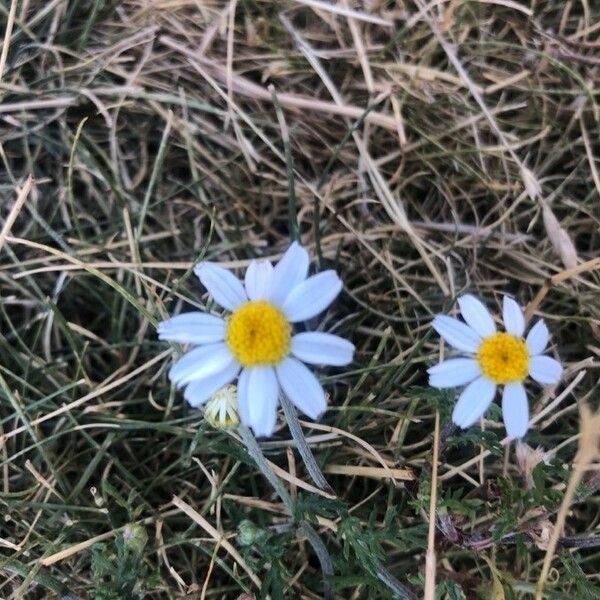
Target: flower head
<point x="221" y="411"/>
<point x="494" y="358"/>
<point x="256" y="340"/>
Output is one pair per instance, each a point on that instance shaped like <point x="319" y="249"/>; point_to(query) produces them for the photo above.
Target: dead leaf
<point x="559" y="238"/>
<point x="527" y="461"/>
<point x="497" y="589"/>
<point x="542" y="534"/>
<point x="532" y="185"/>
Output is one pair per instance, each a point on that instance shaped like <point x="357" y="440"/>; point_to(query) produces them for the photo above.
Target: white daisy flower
<point x="221" y="411"/>
<point x="256" y="341"/>
<point x="493" y="358"/>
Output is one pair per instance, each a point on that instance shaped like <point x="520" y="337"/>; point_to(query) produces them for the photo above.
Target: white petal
<point x="258" y="403"/>
<point x="322" y="348"/>
<point x="514" y="321"/>
<point x="457" y="334"/>
<point x="199" y="391"/>
<point x="453" y="372"/>
<point x="258" y="279"/>
<point x="223" y="285"/>
<point x="545" y="370"/>
<point x="476" y="315"/>
<point x="312" y="296"/>
<point x="301" y="387"/>
<point x="192" y="328"/>
<point x="473" y="402"/>
<point x="515" y="410"/>
<point x="537" y="338"/>
<point x="200" y="362"/>
<point x="242" y="396"/>
<point x="291" y="270"/>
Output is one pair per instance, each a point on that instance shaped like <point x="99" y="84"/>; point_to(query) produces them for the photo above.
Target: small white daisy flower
<point x="494" y="358"/>
<point x="221" y="411"/>
<point x="256" y="340"/>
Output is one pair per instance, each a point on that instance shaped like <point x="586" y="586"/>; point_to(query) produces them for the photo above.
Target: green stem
<point x="261" y="462"/>
<point x="307" y="456"/>
<point x="324" y="558"/>
<point x="289" y="166"/>
<point x="311" y="535"/>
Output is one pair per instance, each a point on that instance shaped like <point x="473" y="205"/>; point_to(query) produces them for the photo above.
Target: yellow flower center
<point x="503" y="358"/>
<point x="258" y="334"/>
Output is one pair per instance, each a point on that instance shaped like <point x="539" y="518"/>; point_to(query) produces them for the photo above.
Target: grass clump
<point x="420" y="153"/>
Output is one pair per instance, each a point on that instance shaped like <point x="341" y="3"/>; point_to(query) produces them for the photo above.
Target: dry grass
<point x="421" y="149"/>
